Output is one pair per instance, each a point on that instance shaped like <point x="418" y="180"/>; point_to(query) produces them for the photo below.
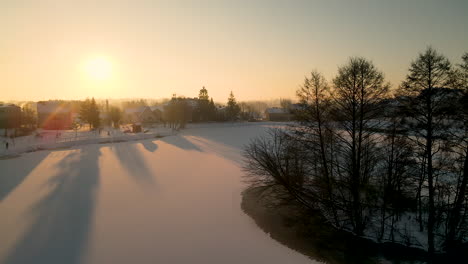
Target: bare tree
<point x="279" y="160"/>
<point x="357" y="166"/>
<point x="178" y="112"/>
<point x="423" y="97"/>
<point x="460" y="140"/>
<point x="115" y="116"/>
<point x="285" y="103"/>
<point x="396" y="184"/>
<point x="89" y="113"/>
<point x="316" y="133"/>
<point x="358" y="88"/>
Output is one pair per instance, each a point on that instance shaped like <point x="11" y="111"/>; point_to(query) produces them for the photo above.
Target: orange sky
<point x="258" y="49"/>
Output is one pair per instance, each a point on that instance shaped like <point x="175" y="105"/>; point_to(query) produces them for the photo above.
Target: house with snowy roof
<point x="278" y="114"/>
<point x="142" y="114"/>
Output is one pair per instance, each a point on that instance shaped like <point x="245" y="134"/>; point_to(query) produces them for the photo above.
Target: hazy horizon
<point x="260" y="50"/>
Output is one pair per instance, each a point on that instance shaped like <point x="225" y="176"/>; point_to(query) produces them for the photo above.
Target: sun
<point x="98" y="68"/>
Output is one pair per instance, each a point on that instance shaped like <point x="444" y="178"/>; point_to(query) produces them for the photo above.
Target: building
<point x="10" y="116"/>
<point x="142" y="114"/>
<point x="54" y="115"/>
<point x="278" y="114"/>
<point x="158" y="112"/>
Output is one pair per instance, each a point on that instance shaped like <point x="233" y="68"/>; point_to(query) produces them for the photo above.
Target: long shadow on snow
<point x="236" y="137"/>
<point x="149" y="145"/>
<point x="180" y="142"/>
<point x="227" y="142"/>
<point x="221" y="149"/>
<point x="133" y="161"/>
<point x="62" y="219"/>
<point x="14" y="171"/>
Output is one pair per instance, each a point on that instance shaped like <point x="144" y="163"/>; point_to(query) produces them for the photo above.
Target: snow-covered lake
<point x="171" y="200"/>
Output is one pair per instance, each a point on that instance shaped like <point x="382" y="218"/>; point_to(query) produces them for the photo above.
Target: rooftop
<point x="276" y="110"/>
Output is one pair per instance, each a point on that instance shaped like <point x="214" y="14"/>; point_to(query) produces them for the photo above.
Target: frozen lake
<point x="171" y="200"/>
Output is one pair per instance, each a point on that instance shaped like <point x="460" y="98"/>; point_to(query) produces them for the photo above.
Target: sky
<point x="257" y="49"/>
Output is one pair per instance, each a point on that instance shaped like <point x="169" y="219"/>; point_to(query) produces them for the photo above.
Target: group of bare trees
<point x="178" y="112"/>
<point x="391" y="177"/>
<point x="428" y="100"/>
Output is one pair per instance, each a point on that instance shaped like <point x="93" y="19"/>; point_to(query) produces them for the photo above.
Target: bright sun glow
<point x="98" y="68"/>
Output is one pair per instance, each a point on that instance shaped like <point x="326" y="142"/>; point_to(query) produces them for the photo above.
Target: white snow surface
<point x="170" y="200"/>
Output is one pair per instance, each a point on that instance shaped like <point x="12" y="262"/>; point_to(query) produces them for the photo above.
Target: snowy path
<point x="172" y="200"/>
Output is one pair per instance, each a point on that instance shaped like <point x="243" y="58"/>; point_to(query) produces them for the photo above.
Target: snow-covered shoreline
<point x="15" y="151"/>
<point x="31" y="144"/>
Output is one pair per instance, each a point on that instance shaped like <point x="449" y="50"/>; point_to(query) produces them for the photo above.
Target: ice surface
<point x="172" y="200"/>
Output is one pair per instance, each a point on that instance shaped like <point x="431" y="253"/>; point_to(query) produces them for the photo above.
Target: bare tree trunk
<point x="323" y="153"/>
<point x="430" y="179"/>
<point x="387" y="184"/>
<point x="455" y="215"/>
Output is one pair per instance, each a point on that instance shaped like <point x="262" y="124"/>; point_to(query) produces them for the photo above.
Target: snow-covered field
<point x="171" y="200"/>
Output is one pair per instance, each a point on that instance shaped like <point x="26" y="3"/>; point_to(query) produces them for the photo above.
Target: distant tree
<point x="134" y="103"/>
<point x="89" y="113"/>
<point x="75" y="126"/>
<point x="205" y="110"/>
<point x="115" y="116"/>
<point x="28" y="117"/>
<point x="178" y="112"/>
<point x="203" y="94"/>
<point x="232" y="109"/>
<point x="255" y="108"/>
<point x="285" y="103"/>
<point x="463" y="70"/>
<point x="182" y="112"/>
<point x="423" y="98"/>
<point x="247" y="111"/>
<point x="95" y="120"/>
<point x="212" y="111"/>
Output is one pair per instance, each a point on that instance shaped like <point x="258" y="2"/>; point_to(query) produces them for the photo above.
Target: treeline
<point x="387" y="168"/>
<point x="180" y="110"/>
<point x="176" y="112"/>
<point x="90" y="114"/>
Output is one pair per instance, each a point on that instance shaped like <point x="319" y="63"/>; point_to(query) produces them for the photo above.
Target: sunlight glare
<point x="98" y="68"/>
